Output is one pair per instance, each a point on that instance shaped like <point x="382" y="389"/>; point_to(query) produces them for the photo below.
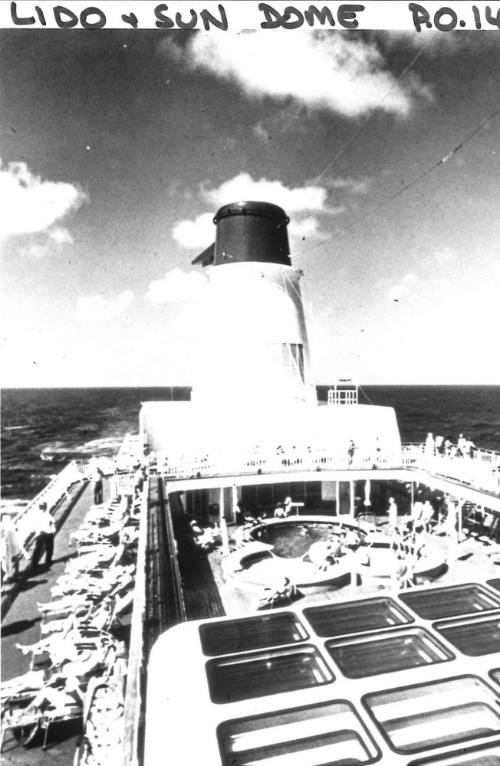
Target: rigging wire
<point x="365" y="122"/>
<point x="411" y="183"/>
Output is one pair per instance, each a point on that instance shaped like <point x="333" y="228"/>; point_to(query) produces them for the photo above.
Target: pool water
<point x="293" y="540"/>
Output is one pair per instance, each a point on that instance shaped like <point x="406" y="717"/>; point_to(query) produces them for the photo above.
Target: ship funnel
<point x="248" y="231"/>
<point x="253" y="338"/>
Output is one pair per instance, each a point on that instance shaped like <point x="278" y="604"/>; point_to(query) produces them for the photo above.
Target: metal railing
<point x="135" y="667"/>
<point x="173" y="566"/>
<point x="480" y="470"/>
<point x="273" y="461"/>
<point x="342" y="394"/>
<point x="52" y="494"/>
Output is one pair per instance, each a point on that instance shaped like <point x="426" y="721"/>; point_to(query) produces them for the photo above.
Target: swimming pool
<point x="292" y="538"/>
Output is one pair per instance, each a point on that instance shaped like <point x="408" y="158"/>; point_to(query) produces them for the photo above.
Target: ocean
<point x="85" y="421"/>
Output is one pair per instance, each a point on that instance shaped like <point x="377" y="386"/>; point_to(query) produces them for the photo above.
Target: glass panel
<point x="481" y="756"/>
<point x="495" y="674"/>
<point x="251" y="633"/>
<point x="428" y="715"/>
<point x="433" y="603"/>
<point x="474" y="637"/>
<point x="360" y="657"/>
<point x="356" y="616"/>
<point x="494" y="583"/>
<point x="254" y="675"/>
<point x="329" y="733"/>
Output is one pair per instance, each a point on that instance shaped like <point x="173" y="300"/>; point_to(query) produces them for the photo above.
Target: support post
<point x="234" y="503"/>
<point x="222" y="523"/>
<point x="368" y="488"/>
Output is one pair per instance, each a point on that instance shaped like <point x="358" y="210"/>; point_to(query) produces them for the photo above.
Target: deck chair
<point x="273" y="597"/>
<point x="49" y="705"/>
<point x="26" y="684"/>
<point x="103" y="556"/>
<point x="95" y="618"/>
<point x="97" y="579"/>
<point x="68" y="604"/>
<point x="60" y="647"/>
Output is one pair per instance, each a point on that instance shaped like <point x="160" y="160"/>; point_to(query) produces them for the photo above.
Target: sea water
<point x="94" y="421"/>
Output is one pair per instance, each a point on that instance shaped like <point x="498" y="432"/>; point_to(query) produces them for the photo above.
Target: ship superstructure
<point x="332" y="678"/>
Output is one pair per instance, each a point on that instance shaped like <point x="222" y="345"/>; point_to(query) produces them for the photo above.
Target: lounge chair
<point x="26" y="684"/>
<point x="282" y="594"/>
<point x="59" y="700"/>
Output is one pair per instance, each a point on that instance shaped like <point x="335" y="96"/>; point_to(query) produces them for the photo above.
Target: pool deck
<point x="473" y="561"/>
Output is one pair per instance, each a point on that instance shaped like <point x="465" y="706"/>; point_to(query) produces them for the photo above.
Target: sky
<point x="118" y="147"/>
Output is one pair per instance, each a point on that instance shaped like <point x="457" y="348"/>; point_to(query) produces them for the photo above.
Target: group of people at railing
<point x="439" y="445"/>
<point x="462" y="461"/>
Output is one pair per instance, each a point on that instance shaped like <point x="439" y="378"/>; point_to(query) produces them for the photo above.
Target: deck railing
<point x="51" y="494"/>
<point x="273" y="461"/>
<point x="135" y="668"/>
<point x="481" y="470"/>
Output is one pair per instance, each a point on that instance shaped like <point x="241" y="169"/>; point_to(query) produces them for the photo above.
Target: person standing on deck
<point x="138" y="479"/>
<point x="11" y="550"/>
<point x="350" y="452"/>
<point x="96" y="478"/>
<point x="393" y="513"/>
<point x="461" y="446"/>
<point x="429" y="447"/>
<point x="45" y="530"/>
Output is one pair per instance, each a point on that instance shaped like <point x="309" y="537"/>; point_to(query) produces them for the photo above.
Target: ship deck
<point x="473" y="559"/>
<point x="21" y="625"/>
<point x="208" y="591"/>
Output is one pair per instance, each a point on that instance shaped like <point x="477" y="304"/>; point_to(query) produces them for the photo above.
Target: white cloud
<point x="318" y="69"/>
<point x="30" y="205"/>
<point x="60" y="236"/>
<point x="243" y="187"/>
<point x="177" y="286"/>
<point x="199" y="233"/>
<point x="35" y="250"/>
<point x="294" y="200"/>
<point x="96" y="308"/>
<point x="305" y="227"/>
<point x="403" y="288"/>
<point x="441" y="258"/>
<point x="43" y="244"/>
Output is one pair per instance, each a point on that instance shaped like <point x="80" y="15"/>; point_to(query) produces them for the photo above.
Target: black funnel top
<point x="249" y="231"/>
